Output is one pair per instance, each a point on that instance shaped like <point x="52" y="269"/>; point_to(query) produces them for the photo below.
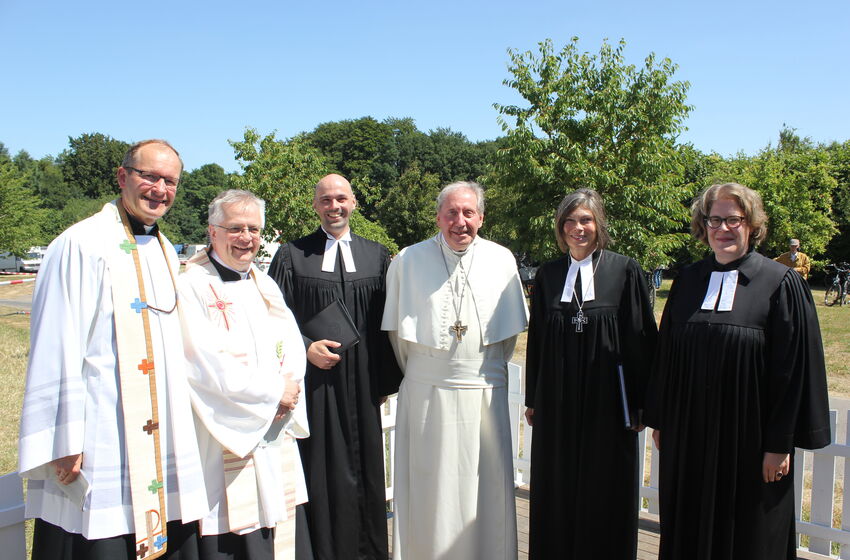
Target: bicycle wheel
<point x="832" y="296"/>
<point x="845" y="297"/>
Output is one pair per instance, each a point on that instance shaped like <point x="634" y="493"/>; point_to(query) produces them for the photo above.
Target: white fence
<point x="825" y="470"/>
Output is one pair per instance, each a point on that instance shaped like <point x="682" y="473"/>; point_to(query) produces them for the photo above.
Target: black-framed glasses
<point x="732" y="222"/>
<point x="253" y="231"/>
<point x="153" y="178"/>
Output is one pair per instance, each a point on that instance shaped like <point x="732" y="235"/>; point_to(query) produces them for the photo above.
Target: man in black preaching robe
<point x="343" y="457"/>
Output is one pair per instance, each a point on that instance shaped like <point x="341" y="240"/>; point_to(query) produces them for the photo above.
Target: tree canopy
<point x="591" y="121"/>
<point x="283" y="173"/>
<point x="21" y="217"/>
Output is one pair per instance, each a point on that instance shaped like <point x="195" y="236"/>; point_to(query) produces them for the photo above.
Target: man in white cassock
<point x="454" y="308"/>
<point x="107" y="439"/>
<point x="247" y="364"/>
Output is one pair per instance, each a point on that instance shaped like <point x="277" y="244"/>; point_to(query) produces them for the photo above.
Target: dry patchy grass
<point x="14" y="332"/>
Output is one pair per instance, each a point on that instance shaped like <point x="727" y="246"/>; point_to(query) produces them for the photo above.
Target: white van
<point x="31" y="261"/>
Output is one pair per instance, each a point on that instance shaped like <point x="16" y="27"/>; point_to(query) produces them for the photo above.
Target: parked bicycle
<point x="838" y="285"/>
<point x="653" y="282"/>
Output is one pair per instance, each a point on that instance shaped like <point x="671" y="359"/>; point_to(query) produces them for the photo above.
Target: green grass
<point x="14" y="332"/>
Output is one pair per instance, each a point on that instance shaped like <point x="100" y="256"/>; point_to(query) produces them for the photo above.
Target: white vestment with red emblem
<point x="241" y="341"/>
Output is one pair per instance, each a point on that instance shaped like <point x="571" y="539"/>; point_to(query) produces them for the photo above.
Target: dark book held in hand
<point x="333" y="323"/>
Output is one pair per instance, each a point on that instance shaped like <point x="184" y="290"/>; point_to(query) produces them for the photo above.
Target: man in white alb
<point x="107" y="440"/>
<point x="246" y="369"/>
<point x="454" y="308"/>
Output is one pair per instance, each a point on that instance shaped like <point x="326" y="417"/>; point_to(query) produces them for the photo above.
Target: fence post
<point x="823" y="485"/>
<point x="12" y="535"/>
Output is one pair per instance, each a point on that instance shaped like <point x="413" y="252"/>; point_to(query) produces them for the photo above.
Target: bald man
<point x="343" y="457"/>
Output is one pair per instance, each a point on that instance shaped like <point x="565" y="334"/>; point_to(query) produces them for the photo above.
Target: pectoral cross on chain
<point x="579" y="321"/>
<point x="458" y="329"/>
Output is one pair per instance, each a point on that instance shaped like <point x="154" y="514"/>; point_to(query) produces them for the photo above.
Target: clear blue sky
<point x="197" y="73"/>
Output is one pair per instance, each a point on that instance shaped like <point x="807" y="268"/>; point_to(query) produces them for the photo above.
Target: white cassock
<point x="241" y="340"/>
<point x="72" y="403"/>
<point x="453" y="488"/>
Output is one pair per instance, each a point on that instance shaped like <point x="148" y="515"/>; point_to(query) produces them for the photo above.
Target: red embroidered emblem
<point x="220" y="305"/>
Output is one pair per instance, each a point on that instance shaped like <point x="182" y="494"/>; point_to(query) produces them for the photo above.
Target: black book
<point x="333" y="323"/>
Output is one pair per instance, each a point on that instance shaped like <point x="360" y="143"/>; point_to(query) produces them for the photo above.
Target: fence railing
<point x="817" y="501"/>
<point x="822" y="512"/>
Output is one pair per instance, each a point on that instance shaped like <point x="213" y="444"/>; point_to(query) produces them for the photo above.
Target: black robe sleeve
<point x="655" y="391"/>
<point x="280" y="271"/>
<point x="537" y="321"/>
<point x="797" y="406"/>
<point x="638" y="333"/>
<point x="390" y="376"/>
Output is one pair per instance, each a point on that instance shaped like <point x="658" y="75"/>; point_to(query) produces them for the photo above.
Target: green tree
<point x="283" y="173"/>
<point x="591" y="121"/>
<point x="407" y="211"/>
<point x="839" y="155"/>
<point x="186" y="221"/>
<point x="48" y="182"/>
<point x="21" y="216"/>
<point x="77" y="209"/>
<point x="23" y="161"/>
<point x="91" y="162"/>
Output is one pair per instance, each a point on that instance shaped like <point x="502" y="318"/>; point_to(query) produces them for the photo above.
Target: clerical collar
<point x="445" y="244"/>
<point x="139" y="228"/>
<point x="748" y="265"/>
<point x="334" y="246"/>
<point x="227" y="274"/>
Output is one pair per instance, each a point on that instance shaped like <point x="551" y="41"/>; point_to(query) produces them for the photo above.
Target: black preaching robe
<point x="344" y="456"/>
<point x="584" y="486"/>
<point x="727" y="387"/>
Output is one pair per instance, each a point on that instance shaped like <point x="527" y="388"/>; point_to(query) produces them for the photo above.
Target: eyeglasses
<point x="153" y="178"/>
<point x="253" y="231"/>
<point x="732" y="222"/>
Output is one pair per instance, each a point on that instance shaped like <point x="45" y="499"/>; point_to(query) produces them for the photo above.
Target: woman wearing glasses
<point x="739" y="382"/>
<point x="590" y="342"/>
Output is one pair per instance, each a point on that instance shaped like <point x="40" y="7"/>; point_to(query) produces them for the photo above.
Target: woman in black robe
<point x="739" y="382"/>
<point x="590" y="343"/>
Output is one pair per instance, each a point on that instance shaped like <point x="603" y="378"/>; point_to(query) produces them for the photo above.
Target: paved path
<point x="23" y="303"/>
<point x="648" y="532"/>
